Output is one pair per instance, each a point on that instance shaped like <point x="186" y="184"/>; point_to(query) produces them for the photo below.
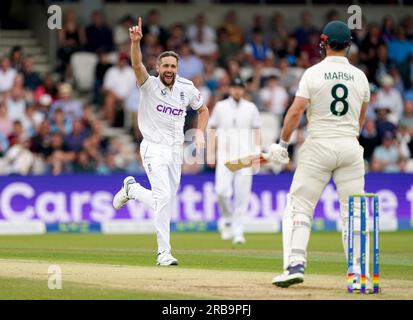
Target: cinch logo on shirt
<point x="169" y="110"/>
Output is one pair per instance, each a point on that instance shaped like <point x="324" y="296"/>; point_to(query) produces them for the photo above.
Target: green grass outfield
<point x="199" y="251"/>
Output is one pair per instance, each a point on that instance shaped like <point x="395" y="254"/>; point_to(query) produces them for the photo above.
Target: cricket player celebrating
<point x="161" y="117"/>
<point x="337" y="95"/>
<point x="236" y="123"/>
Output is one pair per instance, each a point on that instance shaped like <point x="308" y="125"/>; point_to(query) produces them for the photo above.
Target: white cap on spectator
<point x="45" y="99"/>
<point x="65" y="90"/>
<point x="387" y="80"/>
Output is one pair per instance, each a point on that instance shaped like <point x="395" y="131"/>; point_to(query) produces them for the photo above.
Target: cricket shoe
<point x="166" y="259"/>
<point x="122" y="197"/>
<point x="239" y="240"/>
<point x="293" y="275"/>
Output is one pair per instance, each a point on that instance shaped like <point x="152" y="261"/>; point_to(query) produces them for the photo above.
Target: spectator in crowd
<point x="58" y="155"/>
<point x="406" y="119"/>
<point x="405" y="141"/>
<point x="60" y="124"/>
<point x="17" y="133"/>
<point x="386" y="156"/>
<point x="41" y="141"/>
<point x="16" y="57"/>
<point x="291" y="52"/>
<point x="212" y="74"/>
<point x="233" y="30"/>
<point x="369" y="138"/>
<point x="289" y="77"/>
<point x="31" y="78"/>
<point x="278" y="32"/>
<point x="88" y="118"/>
<point x="332" y="15"/>
<point x="387" y="29"/>
<point x="151" y="47"/>
<point x="83" y="163"/>
<point x="257" y="50"/>
<point x="7" y="75"/>
<point x="18" y="158"/>
<point x="258" y="22"/>
<point x="71" y="107"/>
<point x="206" y="93"/>
<point x="48" y="86"/>
<point x="312" y="47"/>
<point x="370" y="44"/>
<point x="383" y="124"/>
<point x="227" y="49"/>
<point x="233" y="68"/>
<point x="101" y="68"/>
<point x="4" y="146"/>
<point x="121" y="32"/>
<point x="152" y="25"/>
<point x="398" y="81"/>
<point x="118" y="83"/>
<point x="303" y="31"/>
<point x="390" y="97"/>
<point x="252" y="92"/>
<point x="275" y="97"/>
<point x="373" y="103"/>
<point x="400" y="47"/>
<point x="176" y="37"/>
<point x="76" y="138"/>
<point x="16" y="104"/>
<point x="203" y="48"/>
<point x="32" y="119"/>
<point x="404" y="71"/>
<point x="407" y="24"/>
<point x="71" y="38"/>
<point x="189" y="64"/>
<point x="43" y="104"/>
<point x="201" y="28"/>
<point x="5" y="122"/>
<point x="98" y="34"/>
<point x="380" y="65"/>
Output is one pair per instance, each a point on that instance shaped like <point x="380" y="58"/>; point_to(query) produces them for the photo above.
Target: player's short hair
<point x="167" y="54"/>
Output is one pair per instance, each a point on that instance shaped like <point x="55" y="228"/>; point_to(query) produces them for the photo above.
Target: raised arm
<point x="135" y="34"/>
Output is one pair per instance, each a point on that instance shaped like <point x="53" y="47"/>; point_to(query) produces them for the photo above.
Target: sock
<point x="137" y="192"/>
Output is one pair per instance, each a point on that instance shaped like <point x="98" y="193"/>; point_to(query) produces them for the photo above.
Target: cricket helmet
<point x="335" y="33"/>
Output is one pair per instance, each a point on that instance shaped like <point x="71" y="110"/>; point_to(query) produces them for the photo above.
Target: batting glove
<point x="278" y="154"/>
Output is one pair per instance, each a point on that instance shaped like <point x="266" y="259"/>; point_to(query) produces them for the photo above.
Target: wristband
<point x="283" y="144"/>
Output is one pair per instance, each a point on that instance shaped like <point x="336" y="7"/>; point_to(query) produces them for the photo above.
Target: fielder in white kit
<point x="337" y="96"/>
<point x="236" y="124"/>
<point x="161" y="117"/>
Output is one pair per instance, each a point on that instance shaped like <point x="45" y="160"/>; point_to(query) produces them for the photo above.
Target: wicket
<point x="350" y="272"/>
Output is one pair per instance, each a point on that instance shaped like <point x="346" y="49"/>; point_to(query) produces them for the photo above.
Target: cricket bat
<point x="247" y="161"/>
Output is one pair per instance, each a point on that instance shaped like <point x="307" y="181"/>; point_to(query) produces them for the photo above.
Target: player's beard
<point x="165" y="81"/>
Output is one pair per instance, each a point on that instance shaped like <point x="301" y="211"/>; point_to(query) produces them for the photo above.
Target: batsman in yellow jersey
<point x="336" y="95"/>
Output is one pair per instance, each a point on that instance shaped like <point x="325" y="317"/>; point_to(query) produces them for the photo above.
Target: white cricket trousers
<point x="163" y="165"/>
<point x="228" y="183"/>
<point x="320" y="160"/>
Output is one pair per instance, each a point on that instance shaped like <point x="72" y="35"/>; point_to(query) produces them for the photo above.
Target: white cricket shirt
<point x="234" y="123"/>
<point x="161" y="112"/>
<point x="336" y="91"/>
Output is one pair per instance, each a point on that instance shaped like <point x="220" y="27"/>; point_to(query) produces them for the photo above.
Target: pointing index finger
<point x="139" y="22"/>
